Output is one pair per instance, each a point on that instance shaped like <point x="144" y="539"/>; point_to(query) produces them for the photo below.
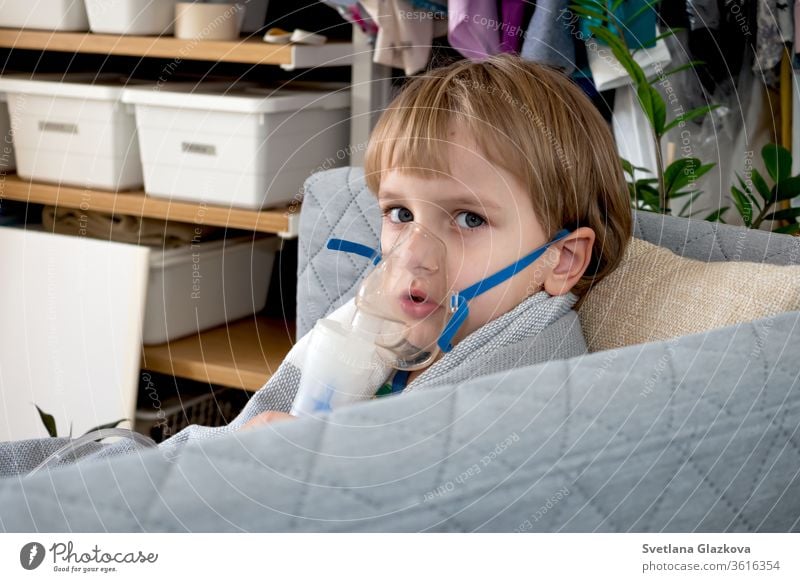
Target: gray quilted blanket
<point x="696" y="434"/>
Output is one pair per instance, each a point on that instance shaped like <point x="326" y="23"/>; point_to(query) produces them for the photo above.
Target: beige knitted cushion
<point x="655" y="294"/>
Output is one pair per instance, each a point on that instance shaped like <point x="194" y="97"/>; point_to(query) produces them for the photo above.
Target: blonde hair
<point x="529" y="120"/>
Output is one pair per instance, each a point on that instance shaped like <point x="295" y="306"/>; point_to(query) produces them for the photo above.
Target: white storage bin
<point x="44" y="14"/>
<point x="131" y="16"/>
<point x="7" y="160"/>
<point x="252" y="148"/>
<point x="203" y="285"/>
<point x="73" y="132"/>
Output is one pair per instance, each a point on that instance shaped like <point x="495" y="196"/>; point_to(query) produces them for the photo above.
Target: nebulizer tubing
<point x="99" y="434"/>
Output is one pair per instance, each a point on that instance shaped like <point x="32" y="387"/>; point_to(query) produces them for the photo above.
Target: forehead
<point x="468" y="184"/>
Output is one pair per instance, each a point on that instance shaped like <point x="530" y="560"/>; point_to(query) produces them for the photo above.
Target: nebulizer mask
<point x="405" y="314"/>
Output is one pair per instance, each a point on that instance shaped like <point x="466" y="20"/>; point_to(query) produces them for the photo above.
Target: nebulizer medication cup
<point x="396" y="325"/>
<point x="338" y="369"/>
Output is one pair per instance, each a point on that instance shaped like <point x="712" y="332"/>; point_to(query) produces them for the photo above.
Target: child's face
<point x="485" y="218"/>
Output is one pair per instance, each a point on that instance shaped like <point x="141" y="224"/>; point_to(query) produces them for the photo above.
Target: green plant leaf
<point x="761" y="185"/>
<point x="689" y="115"/>
<point x="621" y="53"/>
<point x="627" y="167"/>
<point x="589" y="12"/>
<point x="681" y="172"/>
<point x="597" y="6"/>
<point x="645" y="7"/>
<point x="716" y="216"/>
<point x="690" y="201"/>
<point x="48" y="421"/>
<point x="787" y="188"/>
<point x="777" y="160"/>
<point x="107" y="425"/>
<point x="650" y="198"/>
<point x="747" y="190"/>
<point x="743" y="205"/>
<point x="669" y="32"/>
<point x="682" y="193"/>
<point x="675" y="169"/>
<point x="683" y="67"/>
<point x="785" y="214"/>
<point x="790" y="229"/>
<point x="653" y="107"/>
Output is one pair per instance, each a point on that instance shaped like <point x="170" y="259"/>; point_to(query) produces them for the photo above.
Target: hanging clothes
<point x="796" y="59"/>
<point x="632" y="132"/>
<point x="512" y="13"/>
<point x="608" y="73"/>
<point x="437" y="9"/>
<point x="473" y="28"/>
<point x="775" y="28"/>
<point x="702" y="14"/>
<point x="353" y="12"/>
<point x="405" y="35"/>
<point x="550" y="38"/>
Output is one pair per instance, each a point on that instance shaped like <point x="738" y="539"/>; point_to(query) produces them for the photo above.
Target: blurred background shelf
<point x="243" y="354"/>
<point x="246" y="50"/>
<point x="281" y="221"/>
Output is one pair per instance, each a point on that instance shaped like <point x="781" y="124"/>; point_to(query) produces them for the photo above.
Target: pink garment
<point x="513" y="12"/>
<point x="473" y="27"/>
<point x="797" y="27"/>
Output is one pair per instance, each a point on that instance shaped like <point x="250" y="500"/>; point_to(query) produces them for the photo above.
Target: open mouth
<point x="417" y="303"/>
<point x="417" y="295"/>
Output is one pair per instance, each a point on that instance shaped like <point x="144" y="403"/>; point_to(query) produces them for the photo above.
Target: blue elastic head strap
<point x="338" y="244"/>
<point x="458" y="302"/>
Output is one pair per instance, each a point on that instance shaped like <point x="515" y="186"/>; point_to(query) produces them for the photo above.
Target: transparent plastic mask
<point x="402" y="305"/>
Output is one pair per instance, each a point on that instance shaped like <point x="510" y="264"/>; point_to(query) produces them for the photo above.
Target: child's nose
<point x="423" y="257"/>
<point x="423" y="252"/>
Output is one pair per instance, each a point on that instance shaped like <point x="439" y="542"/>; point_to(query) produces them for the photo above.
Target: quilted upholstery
<point x="697" y="434"/>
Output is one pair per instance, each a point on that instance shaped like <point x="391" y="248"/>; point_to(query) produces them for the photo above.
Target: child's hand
<point x="266" y="418"/>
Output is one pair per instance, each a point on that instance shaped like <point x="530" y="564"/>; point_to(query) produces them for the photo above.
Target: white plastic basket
<point x="44" y="14"/>
<point x="144" y="17"/>
<point x="75" y="131"/>
<point x="199" y="286"/>
<point x="248" y="148"/>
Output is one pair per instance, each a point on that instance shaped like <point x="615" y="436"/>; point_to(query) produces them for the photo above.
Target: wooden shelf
<point x="243" y="354"/>
<point x="249" y="51"/>
<point x="283" y="221"/>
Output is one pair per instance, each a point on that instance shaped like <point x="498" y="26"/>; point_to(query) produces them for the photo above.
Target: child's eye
<point x="400" y="214"/>
<point x="469" y="220"/>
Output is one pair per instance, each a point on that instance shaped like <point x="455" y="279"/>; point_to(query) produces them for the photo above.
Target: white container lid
<point x="82" y="86"/>
<point x="164" y="258"/>
<point x="242" y="99"/>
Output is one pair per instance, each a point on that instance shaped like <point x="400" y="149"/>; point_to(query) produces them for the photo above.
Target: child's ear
<point x="574" y="255"/>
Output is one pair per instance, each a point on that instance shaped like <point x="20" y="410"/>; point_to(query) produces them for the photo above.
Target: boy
<point x="494" y="158"/>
